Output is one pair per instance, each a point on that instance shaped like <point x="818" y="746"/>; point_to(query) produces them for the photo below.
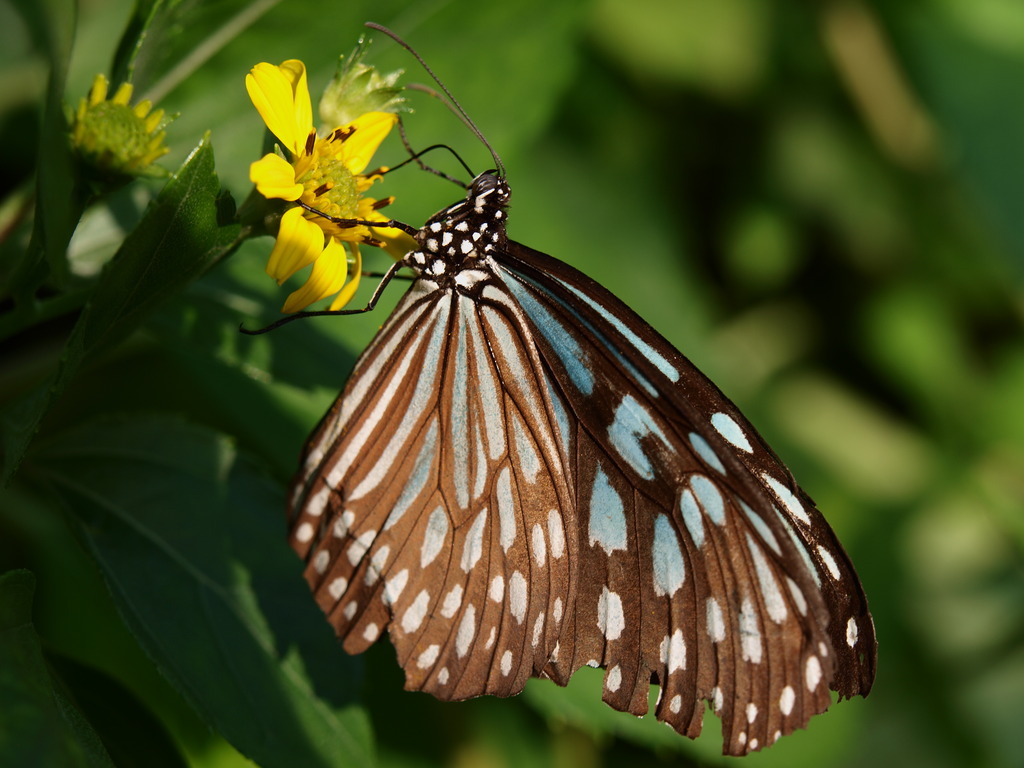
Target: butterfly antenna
<point x="458" y="110"/>
<point x="415" y="157"/>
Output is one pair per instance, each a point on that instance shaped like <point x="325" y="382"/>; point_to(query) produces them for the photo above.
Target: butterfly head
<point x="466" y="232"/>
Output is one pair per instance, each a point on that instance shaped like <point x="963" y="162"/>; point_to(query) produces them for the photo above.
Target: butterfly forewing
<point x="443" y="521"/>
<point x="522" y="477"/>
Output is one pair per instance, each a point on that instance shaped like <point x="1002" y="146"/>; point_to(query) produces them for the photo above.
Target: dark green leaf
<point x="183" y="233"/>
<point x="132" y="735"/>
<point x="192" y="545"/>
<point x="39" y="725"/>
<point x="59" y="202"/>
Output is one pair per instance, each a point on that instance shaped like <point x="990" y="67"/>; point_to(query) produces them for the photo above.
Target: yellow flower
<point x="324" y="173"/>
<point x="116" y="138"/>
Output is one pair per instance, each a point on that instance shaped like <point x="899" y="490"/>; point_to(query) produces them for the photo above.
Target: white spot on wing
<point x="415" y="613"/>
<point x="750" y="634"/>
<point x="669" y="569"/>
<point x="467" y="631"/>
<point x="632" y="423"/>
<point x="610" y="619"/>
<point x="321" y="561"/>
<point x="433" y="538"/>
<point x="556" y="534"/>
<point x="393" y="587"/>
<point x="527" y="461"/>
<point x="506" y="663"/>
<point x="613" y="679"/>
<point x="337" y="588"/>
<point x="538" y="628"/>
<point x="727" y="427"/>
<point x="452" y="601"/>
<point x="798" y="596"/>
<point x="851" y="632"/>
<point x="506" y="510"/>
<point x="787" y="699"/>
<point x="813" y="672"/>
<point x="716" y="625"/>
<point x="607" y="518"/>
<point x="539" y="548"/>
<point x="773" y="600"/>
<point x="517" y="596"/>
<point x="304" y="533"/>
<point x="428" y="657"/>
<point x="691" y="517"/>
<point x="710" y="498"/>
<point x="344" y="523"/>
<point x="497" y="590"/>
<point x="358" y="547"/>
<point x="377" y="562"/>
<point x="760" y="526"/>
<point x="788" y="499"/>
<point x="830" y="562"/>
<point x="700" y="445"/>
<point x="473" y="547"/>
<point x="317" y="503"/>
<point x="673" y="651"/>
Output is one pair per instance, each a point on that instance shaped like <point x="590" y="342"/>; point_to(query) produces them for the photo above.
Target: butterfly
<point x="522" y="477"/>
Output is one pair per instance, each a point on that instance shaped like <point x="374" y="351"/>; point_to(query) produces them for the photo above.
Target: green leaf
<point x="129" y="730"/>
<point x="59" y="202"/>
<point x="171" y="39"/>
<point x="39" y="725"/>
<point x="182" y="234"/>
<point x="192" y="544"/>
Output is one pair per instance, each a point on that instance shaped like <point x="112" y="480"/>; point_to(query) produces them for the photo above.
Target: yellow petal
<point x="98" y="92"/>
<point x="349" y="290"/>
<point x="274" y="177"/>
<point x="299" y="242"/>
<point x="123" y="94"/>
<point x="328" y="276"/>
<point x="281" y="96"/>
<point x="371" y="129"/>
<point x="153" y="121"/>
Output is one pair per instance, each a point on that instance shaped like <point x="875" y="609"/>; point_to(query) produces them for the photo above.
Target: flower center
<point x="115" y="136"/>
<point x="331" y="188"/>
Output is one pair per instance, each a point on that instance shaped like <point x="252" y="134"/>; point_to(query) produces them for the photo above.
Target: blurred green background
<point x="820" y="204"/>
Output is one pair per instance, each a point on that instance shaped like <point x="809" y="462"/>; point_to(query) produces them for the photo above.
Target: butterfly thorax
<point x="464" y="235"/>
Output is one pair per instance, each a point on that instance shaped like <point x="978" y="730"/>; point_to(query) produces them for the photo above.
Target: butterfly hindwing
<point x="743" y="566"/>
